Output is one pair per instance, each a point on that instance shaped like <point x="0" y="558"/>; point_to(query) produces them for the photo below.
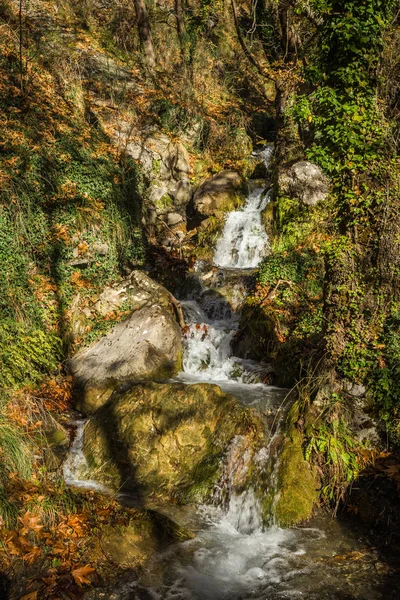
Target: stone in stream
<point x="166" y="442"/>
<point x="145" y="346"/>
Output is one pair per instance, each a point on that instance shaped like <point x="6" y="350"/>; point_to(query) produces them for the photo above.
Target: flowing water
<point x="234" y="556"/>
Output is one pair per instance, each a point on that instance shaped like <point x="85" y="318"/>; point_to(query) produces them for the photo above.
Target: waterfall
<point x="244" y="242"/>
<point x="212" y="324"/>
<point x="75" y="467"/>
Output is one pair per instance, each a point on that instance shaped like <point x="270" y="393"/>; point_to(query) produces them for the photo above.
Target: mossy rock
<point x="224" y="192"/>
<point x="297" y="484"/>
<point x="169" y="441"/>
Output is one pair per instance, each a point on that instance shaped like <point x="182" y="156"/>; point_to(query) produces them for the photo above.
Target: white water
<point x="75" y="467"/>
<point x="244" y="242"/>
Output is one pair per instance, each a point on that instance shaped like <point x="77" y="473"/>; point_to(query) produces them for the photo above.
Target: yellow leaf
<point x="30" y="596"/>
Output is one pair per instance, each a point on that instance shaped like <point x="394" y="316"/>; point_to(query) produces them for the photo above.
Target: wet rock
<point x="304" y="181"/>
<point x="146" y="346"/>
<point x="222" y="192"/>
<point x="56" y="449"/>
<point x="165" y="441"/>
<point x="149" y="532"/>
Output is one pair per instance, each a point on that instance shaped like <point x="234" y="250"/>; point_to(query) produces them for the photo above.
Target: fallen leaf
<point x="80" y="575"/>
<point x="30" y="596"/>
<point x="30" y="523"/>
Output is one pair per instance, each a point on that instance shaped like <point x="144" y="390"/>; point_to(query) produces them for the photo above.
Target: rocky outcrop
<point x="304" y="181"/>
<point x="148" y="532"/>
<point x="223" y="192"/>
<point x="164" y="441"/>
<point x="166" y="166"/>
<point x="145" y="346"/>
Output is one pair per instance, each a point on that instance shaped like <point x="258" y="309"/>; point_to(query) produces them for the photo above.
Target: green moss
<point x="198" y="489"/>
<point x="297" y="484"/>
<point x="156" y="167"/>
<point x="165" y="203"/>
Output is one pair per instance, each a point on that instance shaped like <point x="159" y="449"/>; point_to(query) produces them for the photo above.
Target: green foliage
<point x="292" y="265"/>
<point x="26" y="354"/>
<point x="330" y="443"/>
<point x="384" y="375"/>
<point x="351" y="39"/>
<point x="16" y="299"/>
<point x="339" y="449"/>
<point x="344" y="126"/>
<point x="70" y="221"/>
<point x="347" y="129"/>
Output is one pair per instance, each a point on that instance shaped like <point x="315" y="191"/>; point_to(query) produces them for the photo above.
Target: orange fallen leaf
<point x="31" y="556"/>
<point x="30" y="523"/>
<point x="80" y="575"/>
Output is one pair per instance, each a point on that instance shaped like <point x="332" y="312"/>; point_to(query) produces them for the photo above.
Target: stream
<point x="233" y="555"/>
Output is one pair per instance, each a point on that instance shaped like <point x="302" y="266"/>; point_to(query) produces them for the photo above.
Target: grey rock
<point x="182" y="193"/>
<point x="305" y="181"/>
<point x="355" y="389"/>
<point x="138" y="288"/>
<point x="101" y="248"/>
<point x="146" y="346"/>
<point x="174" y="218"/>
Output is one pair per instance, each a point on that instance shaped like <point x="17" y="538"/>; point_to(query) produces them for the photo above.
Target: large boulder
<point x="173" y="441"/>
<point x="225" y="191"/>
<point x="305" y="181"/>
<point x="145" y="346"/>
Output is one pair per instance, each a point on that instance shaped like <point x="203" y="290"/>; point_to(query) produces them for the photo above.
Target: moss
<point x="156" y="167"/>
<point x="165" y="203"/>
<point x="135" y="543"/>
<point x="297" y="484"/>
<point x="202" y="481"/>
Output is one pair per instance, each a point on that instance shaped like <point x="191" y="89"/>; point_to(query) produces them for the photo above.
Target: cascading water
<point x="244" y="242"/>
<point x="234" y="556"/>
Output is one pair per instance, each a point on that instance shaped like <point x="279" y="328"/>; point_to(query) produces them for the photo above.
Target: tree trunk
<point x="180" y="24"/>
<point x="289" y="39"/>
<point x="145" y="35"/>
